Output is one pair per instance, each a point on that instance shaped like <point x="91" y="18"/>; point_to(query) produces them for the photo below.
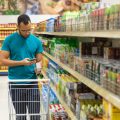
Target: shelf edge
<point x="102" y="34"/>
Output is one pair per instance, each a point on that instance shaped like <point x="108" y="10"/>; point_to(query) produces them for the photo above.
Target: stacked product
<point x="98" y="61"/>
<point x="110" y="112"/>
<point x="68" y="87"/>
<point x="57" y="112"/>
<point x="91" y="17"/>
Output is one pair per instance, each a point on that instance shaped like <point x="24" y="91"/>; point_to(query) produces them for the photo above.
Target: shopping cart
<point x="27" y="101"/>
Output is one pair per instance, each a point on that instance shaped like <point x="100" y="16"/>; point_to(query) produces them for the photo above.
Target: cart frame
<point x="25" y="99"/>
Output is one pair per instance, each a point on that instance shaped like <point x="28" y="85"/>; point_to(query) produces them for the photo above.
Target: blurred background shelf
<point x="3" y="72"/>
<point x="8" y="29"/>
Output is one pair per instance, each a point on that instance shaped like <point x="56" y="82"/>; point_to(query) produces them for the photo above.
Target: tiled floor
<point x="4" y="98"/>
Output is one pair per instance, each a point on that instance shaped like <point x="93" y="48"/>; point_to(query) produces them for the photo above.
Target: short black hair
<point x="23" y="19"/>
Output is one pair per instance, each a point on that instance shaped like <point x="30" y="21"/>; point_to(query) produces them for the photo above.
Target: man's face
<point x="24" y="30"/>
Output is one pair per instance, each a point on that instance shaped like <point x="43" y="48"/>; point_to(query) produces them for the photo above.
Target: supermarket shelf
<point x="67" y="109"/>
<point x="114" y="99"/>
<point x="3" y="72"/>
<point x="102" y="34"/>
<point x="8" y="28"/>
<point x="2" y="38"/>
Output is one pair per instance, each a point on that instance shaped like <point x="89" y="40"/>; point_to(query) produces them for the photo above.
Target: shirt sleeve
<point x="39" y="47"/>
<point x="5" y="45"/>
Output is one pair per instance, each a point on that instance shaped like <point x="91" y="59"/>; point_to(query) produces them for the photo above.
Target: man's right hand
<point x="27" y="62"/>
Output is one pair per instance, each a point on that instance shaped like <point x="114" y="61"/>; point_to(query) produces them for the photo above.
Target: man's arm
<point x="4" y="59"/>
<point x="39" y="57"/>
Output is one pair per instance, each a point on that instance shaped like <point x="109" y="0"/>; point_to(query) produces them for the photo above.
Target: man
<point x="17" y="50"/>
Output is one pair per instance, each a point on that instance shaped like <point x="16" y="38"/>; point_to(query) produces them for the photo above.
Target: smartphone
<point x="32" y="59"/>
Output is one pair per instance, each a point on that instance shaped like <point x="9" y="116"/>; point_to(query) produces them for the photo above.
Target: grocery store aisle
<point x="4" y="98"/>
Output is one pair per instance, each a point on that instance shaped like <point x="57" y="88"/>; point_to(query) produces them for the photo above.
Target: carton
<point x="110" y="111"/>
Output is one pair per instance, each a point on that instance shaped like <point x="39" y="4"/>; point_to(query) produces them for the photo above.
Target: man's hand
<point x="27" y="62"/>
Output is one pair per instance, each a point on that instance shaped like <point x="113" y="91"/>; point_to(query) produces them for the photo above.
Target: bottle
<point x="40" y="75"/>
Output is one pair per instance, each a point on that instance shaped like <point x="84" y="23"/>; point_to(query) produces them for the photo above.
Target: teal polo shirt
<point x="21" y="48"/>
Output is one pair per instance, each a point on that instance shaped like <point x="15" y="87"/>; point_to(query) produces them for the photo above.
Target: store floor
<point x="4" y="98"/>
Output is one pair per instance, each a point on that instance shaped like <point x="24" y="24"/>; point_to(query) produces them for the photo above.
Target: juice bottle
<point x="118" y="76"/>
<point x="114" y="74"/>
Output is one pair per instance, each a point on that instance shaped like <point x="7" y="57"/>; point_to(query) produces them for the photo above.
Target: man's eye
<point x="26" y="30"/>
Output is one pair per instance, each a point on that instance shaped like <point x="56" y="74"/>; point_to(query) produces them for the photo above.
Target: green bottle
<point x="41" y="76"/>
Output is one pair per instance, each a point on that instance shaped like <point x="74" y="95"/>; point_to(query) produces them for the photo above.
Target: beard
<point x="24" y="36"/>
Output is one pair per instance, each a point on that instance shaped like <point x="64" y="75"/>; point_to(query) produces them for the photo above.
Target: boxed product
<point x="50" y="25"/>
<point x="81" y="64"/>
<point x="58" y="112"/>
<point x="91" y="109"/>
<point x="110" y="111"/>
